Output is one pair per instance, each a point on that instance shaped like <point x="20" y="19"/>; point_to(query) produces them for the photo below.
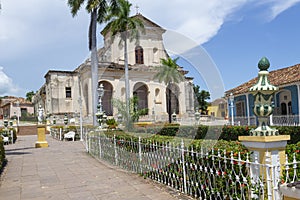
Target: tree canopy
<point x="29" y="95"/>
<point x="168" y="71"/>
<point x="201" y="97"/>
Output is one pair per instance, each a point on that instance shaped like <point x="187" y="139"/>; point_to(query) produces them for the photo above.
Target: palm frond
<point x="75" y="6"/>
<point x="168" y="72"/>
<point x="102" y="11"/>
<point x="120" y="21"/>
<point x="114" y="6"/>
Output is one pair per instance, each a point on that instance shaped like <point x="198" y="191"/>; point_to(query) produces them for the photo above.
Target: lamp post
<point x="66" y="119"/>
<point x="5" y="122"/>
<point x="54" y="120"/>
<point x="99" y="113"/>
<point x="231" y="99"/>
<point x="104" y="120"/>
<point x="80" y="117"/>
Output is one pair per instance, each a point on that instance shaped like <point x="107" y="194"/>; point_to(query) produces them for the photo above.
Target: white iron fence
<point x="275" y="120"/>
<point x="203" y="174"/>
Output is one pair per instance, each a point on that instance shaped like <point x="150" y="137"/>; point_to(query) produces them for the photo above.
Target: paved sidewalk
<point x="65" y="171"/>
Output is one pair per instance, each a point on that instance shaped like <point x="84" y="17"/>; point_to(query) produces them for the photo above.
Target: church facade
<point x="68" y="92"/>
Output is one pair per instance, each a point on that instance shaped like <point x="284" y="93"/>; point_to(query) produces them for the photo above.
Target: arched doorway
<point x="140" y="90"/>
<point x="107" y="97"/>
<point x="172" y="95"/>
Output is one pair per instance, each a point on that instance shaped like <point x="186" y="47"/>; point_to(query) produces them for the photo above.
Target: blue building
<point x="286" y="100"/>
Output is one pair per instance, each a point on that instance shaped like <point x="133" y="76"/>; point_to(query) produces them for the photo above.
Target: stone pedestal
<point x="290" y="193"/>
<point x="41" y="133"/>
<point x="260" y="145"/>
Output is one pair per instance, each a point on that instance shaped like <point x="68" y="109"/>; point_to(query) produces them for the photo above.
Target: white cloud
<point x="201" y="19"/>
<point x="6" y="84"/>
<point x="280" y="6"/>
<point x="32" y="24"/>
<point x="198" y="19"/>
<point x="276" y="7"/>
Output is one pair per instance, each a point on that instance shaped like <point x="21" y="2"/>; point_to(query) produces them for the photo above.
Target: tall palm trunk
<point x="94" y="63"/>
<point x="127" y="88"/>
<point x="169" y="103"/>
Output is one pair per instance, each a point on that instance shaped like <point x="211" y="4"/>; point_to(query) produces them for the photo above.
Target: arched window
<point x="285" y="100"/>
<point x="139" y="55"/>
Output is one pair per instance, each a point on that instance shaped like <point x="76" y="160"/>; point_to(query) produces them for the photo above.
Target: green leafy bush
<point x="111" y="123"/>
<point x="292" y="151"/>
<point x="293" y="131"/>
<point x="2" y="155"/>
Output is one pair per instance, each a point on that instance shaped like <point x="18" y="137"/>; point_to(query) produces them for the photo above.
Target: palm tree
<point x="128" y="28"/>
<point x="169" y="73"/>
<point x="135" y="113"/>
<point x="98" y="10"/>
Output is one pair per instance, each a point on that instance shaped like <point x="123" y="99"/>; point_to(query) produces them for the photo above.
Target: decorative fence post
<point x="265" y="140"/>
<point x="276" y="178"/>
<point x="86" y="140"/>
<point x="99" y="143"/>
<point x="60" y="130"/>
<point x="12" y="136"/>
<point x="268" y="175"/>
<point x="89" y="143"/>
<point x="140" y="155"/>
<point x="116" y="152"/>
<point x="183" y="167"/>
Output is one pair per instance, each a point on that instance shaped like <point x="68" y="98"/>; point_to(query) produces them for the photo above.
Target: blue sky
<point x="41" y="35"/>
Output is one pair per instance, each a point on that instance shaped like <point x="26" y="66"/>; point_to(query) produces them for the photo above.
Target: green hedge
<point x="229" y="133"/>
<point x="196" y="145"/>
<point x="2" y="155"/>
<point x="293" y="131"/>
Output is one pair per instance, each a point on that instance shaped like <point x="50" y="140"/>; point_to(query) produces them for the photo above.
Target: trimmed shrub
<point x="293" y="131"/>
<point x="226" y="132"/>
<point x="2" y="155"/>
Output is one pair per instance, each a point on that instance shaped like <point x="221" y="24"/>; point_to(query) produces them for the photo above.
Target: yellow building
<point x="218" y="108"/>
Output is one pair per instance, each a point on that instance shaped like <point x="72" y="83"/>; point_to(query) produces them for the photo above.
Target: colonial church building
<point x="62" y="90"/>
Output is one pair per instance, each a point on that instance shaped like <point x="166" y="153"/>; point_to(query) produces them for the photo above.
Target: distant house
<point x="218" y="108"/>
<point x="13" y="107"/>
<point x="286" y="101"/>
